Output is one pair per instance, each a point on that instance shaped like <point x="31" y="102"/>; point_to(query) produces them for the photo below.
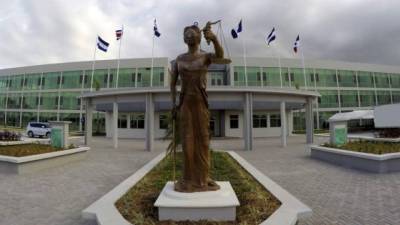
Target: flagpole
<point x="119" y="57"/>
<point x="280" y="67"/>
<point x="304" y="70"/>
<point x="245" y="62"/>
<point x="94" y="62"/>
<point x="152" y="63"/>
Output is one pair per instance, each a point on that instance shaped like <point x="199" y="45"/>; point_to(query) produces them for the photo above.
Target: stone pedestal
<point x="211" y="205"/>
<point x="59" y="133"/>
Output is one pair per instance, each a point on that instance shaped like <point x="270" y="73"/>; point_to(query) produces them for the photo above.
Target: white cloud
<point x="50" y="31"/>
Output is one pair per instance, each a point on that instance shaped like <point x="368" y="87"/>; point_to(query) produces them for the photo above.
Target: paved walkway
<point x="336" y="195"/>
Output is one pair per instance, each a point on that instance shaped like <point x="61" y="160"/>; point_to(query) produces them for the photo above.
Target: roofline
<point x="127" y="91"/>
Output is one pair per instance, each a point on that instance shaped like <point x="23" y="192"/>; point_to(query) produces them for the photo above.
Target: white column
<point x="88" y="121"/>
<point x="248" y="121"/>
<point x="149" y="124"/>
<point x="283" y="124"/>
<point x="115" y="124"/>
<point x="309" y="121"/>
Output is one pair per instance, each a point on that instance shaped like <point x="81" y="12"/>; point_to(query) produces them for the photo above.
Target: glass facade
<point x="30" y="101"/>
<point x="365" y="79"/>
<point x="328" y="99"/>
<point x="52" y="95"/>
<point x="325" y="78"/>
<point x="347" y="78"/>
<point x="49" y="101"/>
<point x="70" y="101"/>
<point x="367" y="98"/>
<point x="72" y="79"/>
<point x="349" y="98"/>
<point x="271" y="76"/>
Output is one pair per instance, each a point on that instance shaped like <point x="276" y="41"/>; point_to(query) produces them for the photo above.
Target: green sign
<point x="56" y="138"/>
<point x="340" y="136"/>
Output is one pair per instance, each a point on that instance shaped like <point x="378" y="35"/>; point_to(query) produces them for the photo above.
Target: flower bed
<point x="27" y="149"/>
<point x="373" y="147"/>
<point x="27" y="158"/>
<point x="262" y="200"/>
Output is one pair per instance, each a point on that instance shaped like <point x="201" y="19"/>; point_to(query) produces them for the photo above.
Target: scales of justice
<point x="195" y="196"/>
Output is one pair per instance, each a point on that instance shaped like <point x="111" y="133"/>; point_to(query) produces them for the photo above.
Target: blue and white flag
<point x="296" y="44"/>
<point x="102" y="44"/>
<point x="235" y="33"/>
<point x="156" y="33"/>
<point x="271" y="37"/>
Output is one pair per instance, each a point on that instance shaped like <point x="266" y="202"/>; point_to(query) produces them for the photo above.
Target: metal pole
<point x="94" y="61"/>
<point x="152" y="63"/>
<point x="119" y="57"/>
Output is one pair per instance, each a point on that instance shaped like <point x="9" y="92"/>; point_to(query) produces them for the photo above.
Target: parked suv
<point x="38" y="129"/>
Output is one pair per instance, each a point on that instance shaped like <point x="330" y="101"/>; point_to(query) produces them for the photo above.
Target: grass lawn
<point x="373" y="147"/>
<point x="256" y="203"/>
<point x="26" y="149"/>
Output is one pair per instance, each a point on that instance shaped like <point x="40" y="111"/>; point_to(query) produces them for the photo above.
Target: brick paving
<point x="336" y="195"/>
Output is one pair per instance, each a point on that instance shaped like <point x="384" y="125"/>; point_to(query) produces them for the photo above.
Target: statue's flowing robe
<point x="194" y="122"/>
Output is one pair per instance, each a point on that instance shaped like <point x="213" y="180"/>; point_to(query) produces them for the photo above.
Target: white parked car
<point x="38" y="129"/>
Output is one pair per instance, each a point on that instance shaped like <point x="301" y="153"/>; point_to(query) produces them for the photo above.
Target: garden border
<point x="375" y="163"/>
<point x="32" y="163"/>
<point x="105" y="213"/>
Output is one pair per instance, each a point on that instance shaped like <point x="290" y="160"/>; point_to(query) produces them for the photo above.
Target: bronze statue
<point x="193" y="107"/>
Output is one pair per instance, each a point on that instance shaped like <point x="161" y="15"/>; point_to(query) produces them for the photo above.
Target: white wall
<point x="159" y="133"/>
<point x="257" y="132"/>
<point x="134" y="133"/>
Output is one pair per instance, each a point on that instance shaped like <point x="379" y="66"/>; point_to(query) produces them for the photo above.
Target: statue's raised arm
<point x="218" y="56"/>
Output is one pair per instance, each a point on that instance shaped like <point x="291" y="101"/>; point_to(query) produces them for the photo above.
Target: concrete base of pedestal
<point x="211" y="205"/>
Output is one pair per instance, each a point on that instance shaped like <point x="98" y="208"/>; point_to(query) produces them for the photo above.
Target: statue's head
<point x="192" y="35"/>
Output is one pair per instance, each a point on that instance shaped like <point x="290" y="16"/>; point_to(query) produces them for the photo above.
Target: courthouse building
<point x="51" y="92"/>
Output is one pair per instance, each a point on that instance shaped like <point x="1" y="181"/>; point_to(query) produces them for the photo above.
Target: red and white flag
<point x="119" y="34"/>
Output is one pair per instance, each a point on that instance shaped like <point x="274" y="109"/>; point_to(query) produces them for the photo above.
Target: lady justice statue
<point x="194" y="116"/>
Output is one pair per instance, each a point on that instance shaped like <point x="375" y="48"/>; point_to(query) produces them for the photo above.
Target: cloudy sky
<point x="51" y="31"/>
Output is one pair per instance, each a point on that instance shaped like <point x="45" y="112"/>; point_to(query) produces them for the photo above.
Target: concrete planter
<point x="28" y="164"/>
<point x="363" y="161"/>
<point x="104" y="212"/>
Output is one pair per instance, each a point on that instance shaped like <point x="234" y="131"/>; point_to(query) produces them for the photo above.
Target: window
<point x="105" y="78"/>
<point x="163" y="121"/>
<point x="235" y="76"/>
<point x="234" y="121"/>
<point x="122" y="121"/>
<point x="260" y="121"/>
<point x="275" y="120"/>
<point x="292" y="76"/>
<point x="137" y="121"/>
<point x="133" y="77"/>
<point x="264" y="76"/>
<point x="61" y="100"/>
<point x="111" y="78"/>
<point x="287" y="77"/>
<point x="139" y="77"/>
<point x="162" y="77"/>
<point x="258" y="76"/>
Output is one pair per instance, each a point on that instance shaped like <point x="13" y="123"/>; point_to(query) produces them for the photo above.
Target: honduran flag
<point x="102" y="44"/>
<point x="271" y="37"/>
<point x="156" y="32"/>
<point x="235" y="33"/>
<point x="296" y="44"/>
<point x="119" y="33"/>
